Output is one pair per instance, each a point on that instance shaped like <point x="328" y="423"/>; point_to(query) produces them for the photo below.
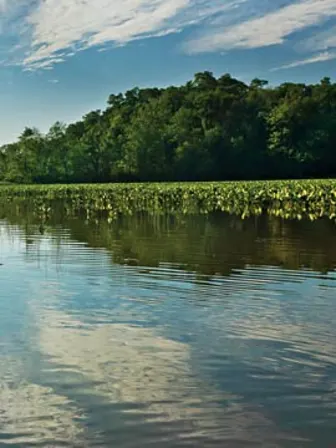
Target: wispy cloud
<point x="322" y="57"/>
<point x="57" y="28"/>
<point x="48" y="32"/>
<point x="3" y="4"/>
<point x="270" y="29"/>
<point x="322" y="41"/>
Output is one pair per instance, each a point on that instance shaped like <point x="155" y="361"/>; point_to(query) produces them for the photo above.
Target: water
<point x="200" y="332"/>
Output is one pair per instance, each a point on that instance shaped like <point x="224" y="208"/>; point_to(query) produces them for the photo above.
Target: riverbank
<point x="289" y="199"/>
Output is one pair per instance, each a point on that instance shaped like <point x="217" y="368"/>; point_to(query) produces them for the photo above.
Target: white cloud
<point x="271" y="29"/>
<point x="3" y="4"/>
<point x="322" y="57"/>
<point x="67" y="26"/>
<point x="321" y="41"/>
<point x="47" y="32"/>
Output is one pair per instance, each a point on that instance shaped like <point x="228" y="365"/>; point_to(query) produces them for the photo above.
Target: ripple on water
<point x="162" y="353"/>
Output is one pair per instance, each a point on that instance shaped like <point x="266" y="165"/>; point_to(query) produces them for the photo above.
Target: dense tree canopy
<point x="208" y="129"/>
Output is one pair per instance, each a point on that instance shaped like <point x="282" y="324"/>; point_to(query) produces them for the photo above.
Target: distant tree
<point x="209" y="128"/>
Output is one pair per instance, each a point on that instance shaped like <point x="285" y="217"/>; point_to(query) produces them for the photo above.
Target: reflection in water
<point x="133" y="366"/>
<point x="207" y="331"/>
<point x="211" y="244"/>
<point x="128" y="363"/>
<point x="32" y="415"/>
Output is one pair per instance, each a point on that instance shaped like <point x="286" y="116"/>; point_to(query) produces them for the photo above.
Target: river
<point x="197" y="331"/>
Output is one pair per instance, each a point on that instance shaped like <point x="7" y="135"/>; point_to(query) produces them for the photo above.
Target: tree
<point x="147" y="147"/>
<point x="209" y="128"/>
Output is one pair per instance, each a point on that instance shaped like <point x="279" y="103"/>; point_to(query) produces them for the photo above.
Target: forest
<point x="208" y="129"/>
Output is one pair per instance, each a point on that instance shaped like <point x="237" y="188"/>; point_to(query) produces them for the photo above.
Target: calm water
<point x="162" y="332"/>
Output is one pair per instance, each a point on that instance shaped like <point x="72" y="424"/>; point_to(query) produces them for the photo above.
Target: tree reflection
<point x="208" y="245"/>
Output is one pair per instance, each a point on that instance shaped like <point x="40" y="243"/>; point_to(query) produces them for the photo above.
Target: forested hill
<point x="208" y="129"/>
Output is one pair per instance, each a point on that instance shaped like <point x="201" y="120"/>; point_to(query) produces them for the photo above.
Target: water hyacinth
<point x="299" y="199"/>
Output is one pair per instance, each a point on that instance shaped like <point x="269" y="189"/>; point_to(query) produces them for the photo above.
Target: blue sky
<point x="62" y="58"/>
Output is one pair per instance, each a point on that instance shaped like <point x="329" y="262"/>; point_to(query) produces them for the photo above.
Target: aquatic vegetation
<point x="288" y="199"/>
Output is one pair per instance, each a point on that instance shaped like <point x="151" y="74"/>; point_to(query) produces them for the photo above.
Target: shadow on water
<point x="167" y="331"/>
<point x="209" y="245"/>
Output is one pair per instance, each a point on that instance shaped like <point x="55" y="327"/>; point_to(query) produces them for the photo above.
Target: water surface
<point x="158" y="331"/>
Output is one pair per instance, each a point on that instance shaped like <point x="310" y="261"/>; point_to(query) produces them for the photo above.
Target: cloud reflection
<point x="134" y="366"/>
<point x="31" y="414"/>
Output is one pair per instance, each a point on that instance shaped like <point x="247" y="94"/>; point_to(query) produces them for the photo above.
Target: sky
<point x="59" y="59"/>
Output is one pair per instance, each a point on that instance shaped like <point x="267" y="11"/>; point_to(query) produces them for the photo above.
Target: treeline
<point x="208" y="129"/>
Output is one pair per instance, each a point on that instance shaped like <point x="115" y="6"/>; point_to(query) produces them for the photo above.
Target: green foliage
<point x="286" y="199"/>
<point x="208" y="129"/>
